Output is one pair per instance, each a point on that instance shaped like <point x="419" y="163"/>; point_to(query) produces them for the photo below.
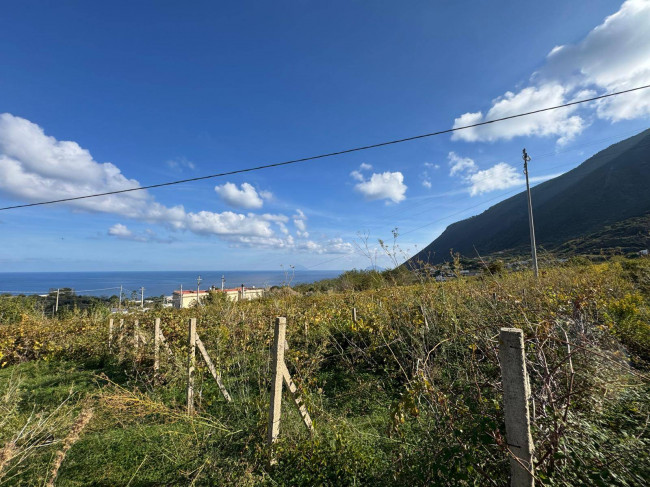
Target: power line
<point x="429" y="199"/>
<point x="330" y="154"/>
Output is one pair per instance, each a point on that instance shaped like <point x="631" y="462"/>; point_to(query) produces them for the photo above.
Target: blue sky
<point x="100" y="96"/>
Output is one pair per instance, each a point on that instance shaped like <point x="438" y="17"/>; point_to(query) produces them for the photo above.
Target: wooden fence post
<point x="156" y="348"/>
<point x="110" y="334"/>
<point x="354" y="315"/>
<point x="277" y="370"/>
<point x="516" y="393"/>
<point x="191" y="365"/>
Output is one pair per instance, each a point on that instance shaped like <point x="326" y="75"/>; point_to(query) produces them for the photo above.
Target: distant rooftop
<point x="208" y="290"/>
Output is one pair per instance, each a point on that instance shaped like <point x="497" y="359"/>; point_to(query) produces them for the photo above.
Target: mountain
<point x="375" y="268"/>
<point x="606" y="199"/>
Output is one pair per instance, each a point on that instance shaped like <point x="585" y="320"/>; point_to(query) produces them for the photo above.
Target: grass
<point x="395" y="400"/>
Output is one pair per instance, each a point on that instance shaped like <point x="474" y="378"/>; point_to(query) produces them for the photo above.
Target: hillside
<point x="408" y="394"/>
<point x="605" y="190"/>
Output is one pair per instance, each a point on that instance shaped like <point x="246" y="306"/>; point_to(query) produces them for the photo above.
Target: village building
<point x="187" y="298"/>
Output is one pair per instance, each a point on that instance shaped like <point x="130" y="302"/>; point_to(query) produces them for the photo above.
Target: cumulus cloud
<point x="357" y="174"/>
<point x="614" y="56"/>
<point x="552" y="123"/>
<point x="499" y="176"/>
<point x="119" y="230"/>
<point x="36" y="167"/>
<point x="246" y="196"/>
<point x="459" y="164"/>
<point x="387" y="185"/>
<point x="426" y="177"/>
<point x="299" y="220"/>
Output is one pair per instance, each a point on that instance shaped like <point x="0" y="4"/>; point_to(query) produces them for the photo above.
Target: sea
<point x="155" y="283"/>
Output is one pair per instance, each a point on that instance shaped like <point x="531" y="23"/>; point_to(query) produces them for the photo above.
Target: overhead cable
<point x="330" y="154"/>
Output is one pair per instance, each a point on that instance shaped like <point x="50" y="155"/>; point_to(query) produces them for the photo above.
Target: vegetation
<point x="409" y="394"/>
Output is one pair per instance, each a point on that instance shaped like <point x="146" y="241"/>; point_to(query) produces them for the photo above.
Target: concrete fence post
<point x="136" y="336"/>
<point x="516" y="394"/>
<point x="424" y="316"/>
<point x="191" y="365"/>
<point x="212" y="368"/>
<point x="110" y="333"/>
<point x="156" y="348"/>
<point x="120" y="338"/>
<point x="297" y="399"/>
<point x="277" y="371"/>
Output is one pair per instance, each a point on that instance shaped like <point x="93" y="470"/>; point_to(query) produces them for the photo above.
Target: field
<point x="409" y="394"/>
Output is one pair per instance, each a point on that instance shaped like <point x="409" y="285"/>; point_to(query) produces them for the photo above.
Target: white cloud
<point x="357" y="174"/>
<point x="246" y="197"/>
<point x="180" y="163"/>
<point x="283" y="228"/>
<point x="387" y="185"/>
<point x="611" y="54"/>
<point x="426" y="177"/>
<point x="227" y="223"/>
<point x="333" y="246"/>
<point x="123" y="233"/>
<point x="499" y="176"/>
<point x="36" y="167"/>
<point x="299" y="222"/>
<point x="119" y="230"/>
<point x="559" y="123"/>
<point x="614" y="56"/>
<point x="459" y="164"/>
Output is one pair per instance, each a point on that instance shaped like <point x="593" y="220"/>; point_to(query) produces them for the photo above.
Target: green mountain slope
<point x="605" y="190"/>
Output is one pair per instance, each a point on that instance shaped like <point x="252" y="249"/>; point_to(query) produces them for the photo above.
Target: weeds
<point x="409" y="393"/>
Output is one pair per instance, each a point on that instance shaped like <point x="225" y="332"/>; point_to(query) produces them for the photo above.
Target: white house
<point x="188" y="298"/>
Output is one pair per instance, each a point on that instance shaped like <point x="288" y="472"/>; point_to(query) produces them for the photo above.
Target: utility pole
<point x="533" y="246"/>
<point x="56" y="308"/>
<point x="142" y="297"/>
<point x="198" y="282"/>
